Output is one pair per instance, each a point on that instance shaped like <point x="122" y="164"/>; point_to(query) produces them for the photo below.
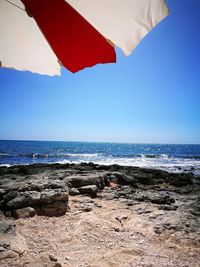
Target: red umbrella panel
<point x="43" y="35"/>
<point x="75" y="41"/>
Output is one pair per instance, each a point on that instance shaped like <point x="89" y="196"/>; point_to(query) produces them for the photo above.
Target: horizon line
<point x="109" y="142"/>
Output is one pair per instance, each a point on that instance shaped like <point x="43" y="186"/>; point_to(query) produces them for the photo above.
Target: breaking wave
<point x="174" y="158"/>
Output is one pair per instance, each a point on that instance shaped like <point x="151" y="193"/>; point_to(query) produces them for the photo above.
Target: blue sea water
<point x="174" y="158"/>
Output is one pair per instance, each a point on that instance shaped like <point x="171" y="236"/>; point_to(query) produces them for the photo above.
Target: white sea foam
<point x="163" y="162"/>
<point x="5" y="165"/>
<point x="83" y="155"/>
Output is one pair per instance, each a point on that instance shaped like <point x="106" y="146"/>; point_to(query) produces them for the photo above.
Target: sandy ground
<point x="105" y="233"/>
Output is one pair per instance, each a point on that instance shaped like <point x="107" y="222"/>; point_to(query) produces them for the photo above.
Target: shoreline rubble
<point x="168" y="202"/>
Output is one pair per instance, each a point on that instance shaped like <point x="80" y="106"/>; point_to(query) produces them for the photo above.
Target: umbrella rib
<point x="15" y="5"/>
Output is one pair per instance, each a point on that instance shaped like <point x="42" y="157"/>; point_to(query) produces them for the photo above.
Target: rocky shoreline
<point x="126" y="197"/>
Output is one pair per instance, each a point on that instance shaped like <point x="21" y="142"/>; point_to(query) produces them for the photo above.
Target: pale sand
<point x="111" y="234"/>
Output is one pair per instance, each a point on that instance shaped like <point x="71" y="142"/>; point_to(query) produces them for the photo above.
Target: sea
<point x="168" y="157"/>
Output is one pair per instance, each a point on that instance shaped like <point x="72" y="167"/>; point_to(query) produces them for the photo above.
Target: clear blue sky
<point x="151" y="96"/>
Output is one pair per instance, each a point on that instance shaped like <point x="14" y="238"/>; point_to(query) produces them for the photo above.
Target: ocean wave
<point x="163" y="162"/>
<point x="155" y="156"/>
<point x="36" y="155"/>
<point x="170" y="165"/>
<point x="6" y="165"/>
<point x="5" y="155"/>
<point x="66" y="155"/>
<point x="155" y="161"/>
<point x="96" y="155"/>
<point x="190" y="156"/>
<point x="84" y="155"/>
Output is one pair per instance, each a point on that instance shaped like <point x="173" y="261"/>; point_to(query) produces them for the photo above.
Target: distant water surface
<point x="174" y="158"/>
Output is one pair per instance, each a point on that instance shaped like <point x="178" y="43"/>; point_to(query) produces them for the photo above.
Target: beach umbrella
<point x="43" y="35"/>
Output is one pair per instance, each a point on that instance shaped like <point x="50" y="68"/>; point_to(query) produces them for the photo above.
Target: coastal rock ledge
<point x="44" y="189"/>
<point x="131" y="216"/>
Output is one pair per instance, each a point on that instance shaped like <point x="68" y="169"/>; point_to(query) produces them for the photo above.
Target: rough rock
<point x="41" y="260"/>
<point x="56" y="208"/>
<point x="124" y="191"/>
<point x="171" y="227"/>
<point x="195" y="207"/>
<point x="50" y="202"/>
<point x="9" y="196"/>
<point x="73" y="192"/>
<point x="2" y="193"/>
<point x="160" y="199"/>
<point x="12" y="243"/>
<point x="121" y="178"/>
<point x="46" y="183"/>
<point x="90" y="190"/>
<point x="24" y="199"/>
<point x="130" y="193"/>
<point x="167" y="207"/>
<point x="53" y="202"/>
<point x="24" y="213"/>
<point x="49" y="196"/>
<point x="84" y="180"/>
<point x="87" y="208"/>
<point x="144" y="178"/>
<point x="2" y="215"/>
<point x="41" y="185"/>
<point x="181" y="179"/>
